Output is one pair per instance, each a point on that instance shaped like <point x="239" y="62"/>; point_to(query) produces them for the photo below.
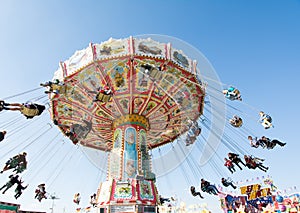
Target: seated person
<point x="189" y="140"/>
<point x="81" y="130"/>
<point x="152" y="71"/>
<point x="236" y="159"/>
<point x="106" y="90"/>
<point x="194" y="193"/>
<point x="103" y="94"/>
<point x="236" y="121"/>
<point x="18" y="163"/>
<point x="40" y="192"/>
<point x="13" y="179"/>
<point x="196" y="129"/>
<point x="56" y="86"/>
<point x="255" y="162"/>
<point x="269" y="182"/>
<point x="163" y="200"/>
<point x="227" y="182"/>
<point x="2" y="135"/>
<point x="232" y="94"/>
<point x="229" y="165"/>
<point x="254" y="142"/>
<point x="29" y="110"/>
<point x="19" y="189"/>
<point x="265" y="120"/>
<point x="77" y="131"/>
<point x="22" y="166"/>
<point x="270" y="144"/>
<point x="93" y="200"/>
<point x="77" y="198"/>
<point x="207" y="187"/>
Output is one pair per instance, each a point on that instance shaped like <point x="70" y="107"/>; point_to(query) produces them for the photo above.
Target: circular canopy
<point x="146" y="77"/>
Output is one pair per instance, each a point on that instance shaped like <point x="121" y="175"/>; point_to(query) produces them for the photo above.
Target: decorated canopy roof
<point x="146" y="77"/>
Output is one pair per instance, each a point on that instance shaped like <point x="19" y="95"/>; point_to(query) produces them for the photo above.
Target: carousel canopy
<point x="146" y="77"/>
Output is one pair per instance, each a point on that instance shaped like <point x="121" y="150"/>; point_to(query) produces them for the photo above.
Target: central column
<point x="129" y="155"/>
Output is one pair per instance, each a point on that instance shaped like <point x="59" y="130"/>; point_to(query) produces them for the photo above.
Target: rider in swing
<point x="103" y="94"/>
<point x="209" y="188"/>
<point x="28" y="109"/>
<point x="40" y="192"/>
<point x="265" y="120"/>
<point x="232" y="94"/>
<point x="18" y="163"/>
<point x="194" y="193"/>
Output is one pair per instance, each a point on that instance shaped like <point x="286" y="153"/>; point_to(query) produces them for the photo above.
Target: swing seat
<point x="103" y="97"/>
<point x="61" y="89"/>
<point x="237" y="123"/>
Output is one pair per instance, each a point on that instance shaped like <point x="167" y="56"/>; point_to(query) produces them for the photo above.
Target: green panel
<point x="5" y="207"/>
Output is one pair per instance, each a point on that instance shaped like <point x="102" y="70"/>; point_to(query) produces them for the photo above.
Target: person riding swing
<point x="28" y="109"/>
<point x="194" y="193"/>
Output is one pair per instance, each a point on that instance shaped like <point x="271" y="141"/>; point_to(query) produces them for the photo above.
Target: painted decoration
<point x="122" y="191"/>
<point x="112" y="47"/>
<point x="130" y="153"/>
<point x="144" y="151"/>
<point x="145" y="190"/>
<point x="168" y="89"/>
<point x="148" y="46"/>
<point x="118" y="139"/>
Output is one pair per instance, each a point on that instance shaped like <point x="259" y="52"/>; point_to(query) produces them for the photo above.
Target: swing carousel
<point x="127" y="97"/>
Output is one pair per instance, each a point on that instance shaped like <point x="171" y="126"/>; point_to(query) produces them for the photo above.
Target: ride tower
<point x="127" y="97"/>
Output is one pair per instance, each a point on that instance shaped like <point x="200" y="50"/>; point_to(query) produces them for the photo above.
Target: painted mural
<point x="138" y="102"/>
<point x="111" y="47"/>
<point x="130" y="153"/>
<point x="150" y="47"/>
<point x="145" y="190"/>
<point x="144" y="150"/>
<point x="115" y="156"/>
<point x="118" y="139"/>
<point x="123" y="191"/>
<point x="142" y="80"/>
<point x="180" y="59"/>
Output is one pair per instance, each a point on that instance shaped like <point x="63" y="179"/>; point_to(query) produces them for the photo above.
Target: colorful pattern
<point x="146" y="77"/>
<point x="130" y="153"/>
<point x="118" y="139"/>
<point x="123" y="191"/>
<point x="145" y="190"/>
<point x="115" y="156"/>
<point x="145" y="161"/>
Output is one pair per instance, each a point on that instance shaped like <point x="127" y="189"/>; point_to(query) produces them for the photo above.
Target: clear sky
<point x="254" y="45"/>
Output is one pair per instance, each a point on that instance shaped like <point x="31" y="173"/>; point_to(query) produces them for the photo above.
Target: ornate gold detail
<point x="139" y="120"/>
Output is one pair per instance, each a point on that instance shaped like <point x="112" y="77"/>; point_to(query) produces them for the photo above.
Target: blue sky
<point x="251" y="44"/>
